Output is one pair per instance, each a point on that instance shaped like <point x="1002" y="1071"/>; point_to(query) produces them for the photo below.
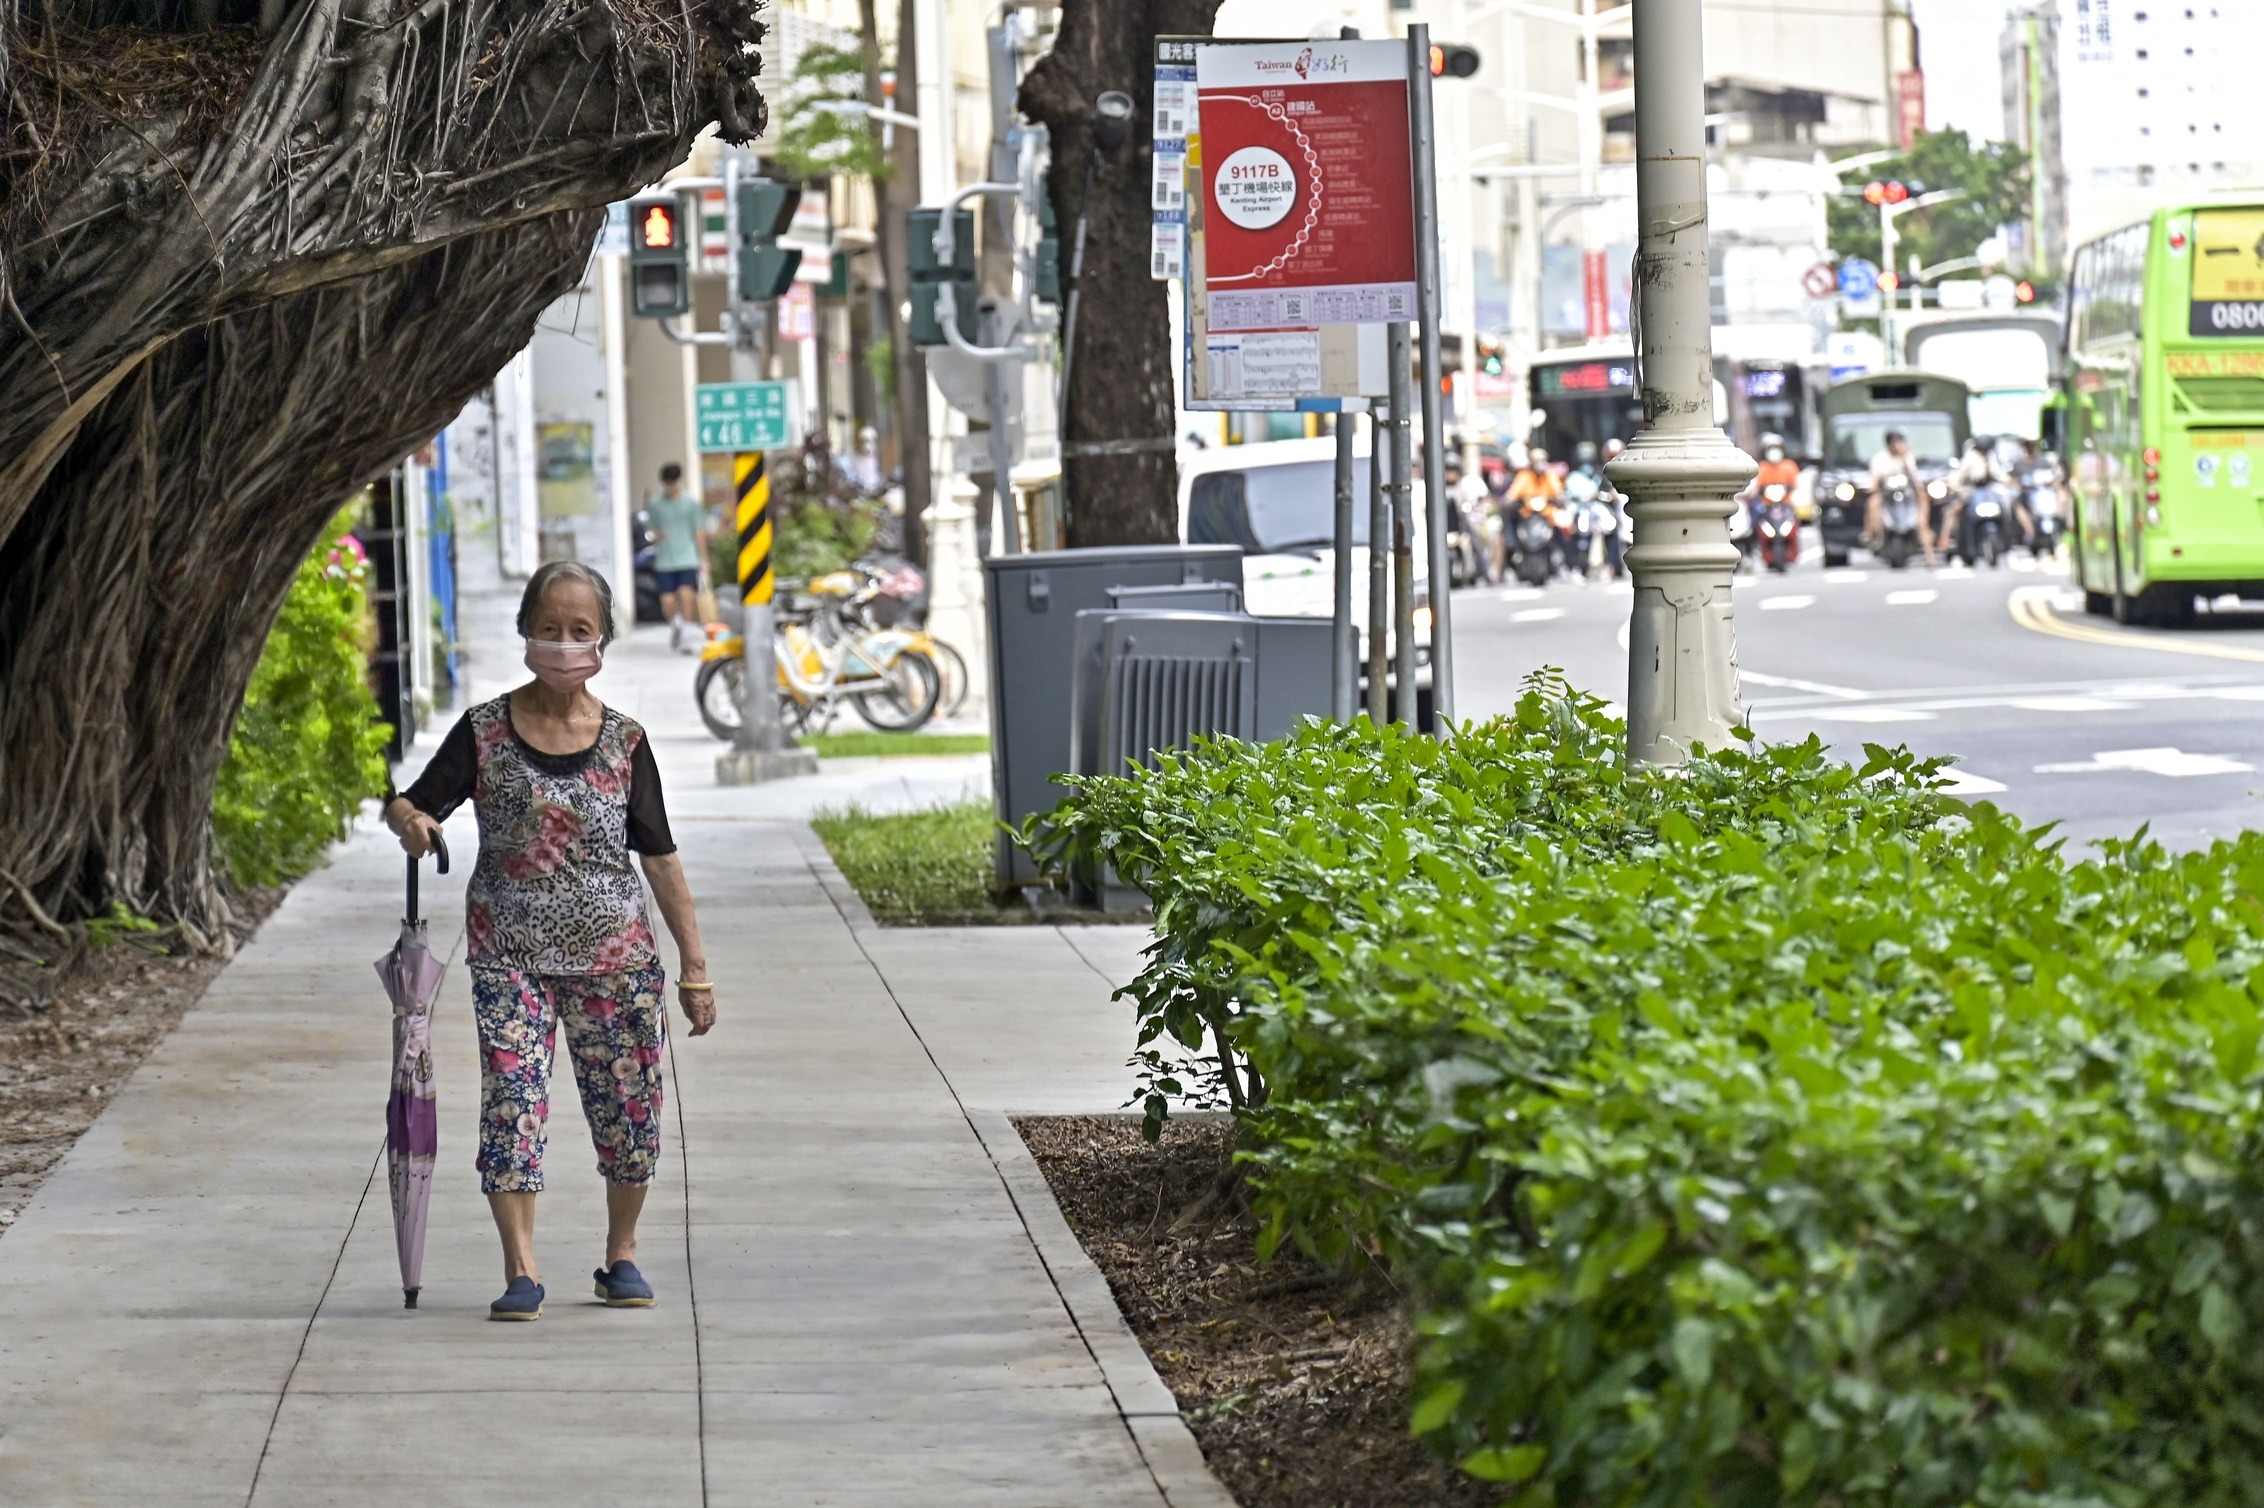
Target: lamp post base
<point x="759" y="766"/>
<point x="1681" y="486"/>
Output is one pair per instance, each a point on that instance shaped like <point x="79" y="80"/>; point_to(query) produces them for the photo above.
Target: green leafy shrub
<point x="307" y="748"/>
<point x="1767" y="1131"/>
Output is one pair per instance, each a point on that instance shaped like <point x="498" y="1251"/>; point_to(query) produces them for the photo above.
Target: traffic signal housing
<point x="1451" y="60"/>
<point x="930" y="275"/>
<point x="1876" y="193"/>
<point x="766" y="269"/>
<point x="660" y="266"/>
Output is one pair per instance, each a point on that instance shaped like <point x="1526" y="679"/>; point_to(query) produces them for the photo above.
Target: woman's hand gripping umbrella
<point x="411" y="976"/>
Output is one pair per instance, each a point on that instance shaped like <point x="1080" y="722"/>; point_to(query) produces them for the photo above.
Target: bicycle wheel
<point x="953" y="670"/>
<point x="716" y="690"/>
<point x="905" y="697"/>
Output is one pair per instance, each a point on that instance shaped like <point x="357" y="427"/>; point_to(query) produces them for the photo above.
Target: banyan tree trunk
<point x="247" y="262"/>
<point x="1119" y="458"/>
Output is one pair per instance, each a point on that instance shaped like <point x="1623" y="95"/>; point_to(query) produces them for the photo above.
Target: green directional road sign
<point x="744" y="415"/>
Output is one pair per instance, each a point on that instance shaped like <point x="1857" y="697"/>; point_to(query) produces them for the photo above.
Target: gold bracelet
<point x="706" y="988"/>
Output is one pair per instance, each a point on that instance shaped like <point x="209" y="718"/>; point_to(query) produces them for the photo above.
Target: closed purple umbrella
<point x="411" y="976"/>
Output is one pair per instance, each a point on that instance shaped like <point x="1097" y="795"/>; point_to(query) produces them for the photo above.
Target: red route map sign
<point x="1308" y="184"/>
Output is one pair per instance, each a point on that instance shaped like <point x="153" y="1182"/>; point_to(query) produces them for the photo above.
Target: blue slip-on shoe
<point x="623" y="1287"/>
<point x="521" y="1301"/>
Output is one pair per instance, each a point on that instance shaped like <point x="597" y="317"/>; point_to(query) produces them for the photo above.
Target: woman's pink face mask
<point x="564" y="664"/>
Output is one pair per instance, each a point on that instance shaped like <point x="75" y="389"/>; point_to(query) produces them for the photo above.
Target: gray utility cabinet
<point x="1031" y="605"/>
<point x="1154" y="680"/>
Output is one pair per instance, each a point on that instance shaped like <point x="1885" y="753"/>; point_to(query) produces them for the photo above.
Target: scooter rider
<point x="1975" y="470"/>
<point x="1535" y="489"/>
<point x="1895" y="460"/>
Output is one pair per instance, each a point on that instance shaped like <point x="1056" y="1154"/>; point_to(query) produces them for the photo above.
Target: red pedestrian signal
<point x="660" y="265"/>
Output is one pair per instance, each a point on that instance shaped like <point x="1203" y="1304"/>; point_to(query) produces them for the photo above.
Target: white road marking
<point x="1517" y="594"/>
<point x="2067" y="601"/>
<point x="1918" y="597"/>
<point x="2174" y="763"/>
<point x="2024" y="564"/>
<point x="1957" y="571"/>
<point x="1843" y="576"/>
<point x="1867" y="715"/>
<point x="2071" y="704"/>
<point x="2241" y="694"/>
<point x="1819" y="688"/>
<point x="1786" y="604"/>
<point x="1962" y="783"/>
<point x="1537" y="615"/>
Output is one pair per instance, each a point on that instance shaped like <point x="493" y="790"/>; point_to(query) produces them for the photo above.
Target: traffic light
<point x="1889" y="282"/>
<point x="2024" y="293"/>
<point x="1492" y="360"/>
<point x="1876" y="193"/>
<point x="930" y="275"/>
<point x="660" y="267"/>
<point x="766" y="269"/>
<point x="1049" y="251"/>
<point x="1450" y="60"/>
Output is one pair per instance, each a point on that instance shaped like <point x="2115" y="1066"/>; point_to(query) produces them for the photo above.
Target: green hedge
<point x="1769" y="1131"/>
<point x="307" y="748"/>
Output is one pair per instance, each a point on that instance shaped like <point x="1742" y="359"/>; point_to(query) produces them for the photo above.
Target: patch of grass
<point x="928" y="868"/>
<point x="861" y="743"/>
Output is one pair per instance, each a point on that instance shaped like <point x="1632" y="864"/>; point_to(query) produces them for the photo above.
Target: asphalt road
<point x="2053" y="714"/>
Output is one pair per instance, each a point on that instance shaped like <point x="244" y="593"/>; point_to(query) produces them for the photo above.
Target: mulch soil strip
<point x="60" y="1062"/>
<point x="1293" y="1377"/>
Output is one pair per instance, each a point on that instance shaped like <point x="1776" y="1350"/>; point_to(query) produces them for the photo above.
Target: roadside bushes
<point x="307" y="748"/>
<point x="1768" y="1131"/>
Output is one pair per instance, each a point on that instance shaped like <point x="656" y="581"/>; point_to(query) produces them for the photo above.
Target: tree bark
<point x="242" y="272"/>
<point x="1121" y="375"/>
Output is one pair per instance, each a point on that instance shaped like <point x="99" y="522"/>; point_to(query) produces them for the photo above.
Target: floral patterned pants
<point x="616" y="1027"/>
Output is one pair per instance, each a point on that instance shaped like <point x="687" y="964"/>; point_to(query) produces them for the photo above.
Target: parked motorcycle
<point x="1776" y="528"/>
<point x="1901" y="517"/>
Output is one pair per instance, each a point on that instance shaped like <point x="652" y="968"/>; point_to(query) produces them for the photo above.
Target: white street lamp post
<point x="1681" y="475"/>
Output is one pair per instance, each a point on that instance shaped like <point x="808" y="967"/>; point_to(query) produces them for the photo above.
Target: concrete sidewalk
<point x="865" y="1296"/>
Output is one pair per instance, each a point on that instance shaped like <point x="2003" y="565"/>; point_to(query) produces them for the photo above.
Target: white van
<point x="1277" y="500"/>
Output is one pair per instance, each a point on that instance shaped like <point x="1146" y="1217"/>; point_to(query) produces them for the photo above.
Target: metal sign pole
<point x="1438" y="508"/>
<point x="1400" y="354"/>
<point x="1379" y="566"/>
<point x="1681" y="475"/>
<point x="1343" y="672"/>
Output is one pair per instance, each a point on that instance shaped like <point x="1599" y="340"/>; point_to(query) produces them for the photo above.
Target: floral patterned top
<point x="554" y="891"/>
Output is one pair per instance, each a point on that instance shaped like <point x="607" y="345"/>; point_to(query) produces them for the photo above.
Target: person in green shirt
<point x="679" y="529"/>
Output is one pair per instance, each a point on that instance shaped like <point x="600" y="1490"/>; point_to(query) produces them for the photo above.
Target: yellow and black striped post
<point x="751" y="486"/>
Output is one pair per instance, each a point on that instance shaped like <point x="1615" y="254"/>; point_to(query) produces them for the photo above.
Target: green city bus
<point x="2165" y="412"/>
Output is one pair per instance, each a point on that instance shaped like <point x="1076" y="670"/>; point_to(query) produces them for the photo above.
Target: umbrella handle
<point x="440" y="850"/>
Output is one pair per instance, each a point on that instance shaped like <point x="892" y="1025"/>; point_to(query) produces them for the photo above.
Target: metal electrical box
<point x="1031" y="605"/>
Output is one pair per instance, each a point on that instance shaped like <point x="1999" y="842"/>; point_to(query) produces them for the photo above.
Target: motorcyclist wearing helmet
<point x="1535" y="489"/>
<point x="1895" y="460"/>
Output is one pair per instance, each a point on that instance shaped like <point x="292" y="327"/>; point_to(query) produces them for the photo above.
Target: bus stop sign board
<point x="733" y="416"/>
<point x="1308" y="201"/>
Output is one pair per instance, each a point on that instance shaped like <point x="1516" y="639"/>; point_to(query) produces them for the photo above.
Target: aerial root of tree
<point x="250" y="255"/>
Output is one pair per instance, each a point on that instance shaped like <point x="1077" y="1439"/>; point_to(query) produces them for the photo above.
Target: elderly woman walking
<point x="565" y="788"/>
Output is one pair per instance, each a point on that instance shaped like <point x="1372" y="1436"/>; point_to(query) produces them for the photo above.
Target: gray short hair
<point x="548" y="575"/>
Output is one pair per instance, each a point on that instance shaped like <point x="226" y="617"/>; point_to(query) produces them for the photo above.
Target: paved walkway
<point x="201" y="1305"/>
